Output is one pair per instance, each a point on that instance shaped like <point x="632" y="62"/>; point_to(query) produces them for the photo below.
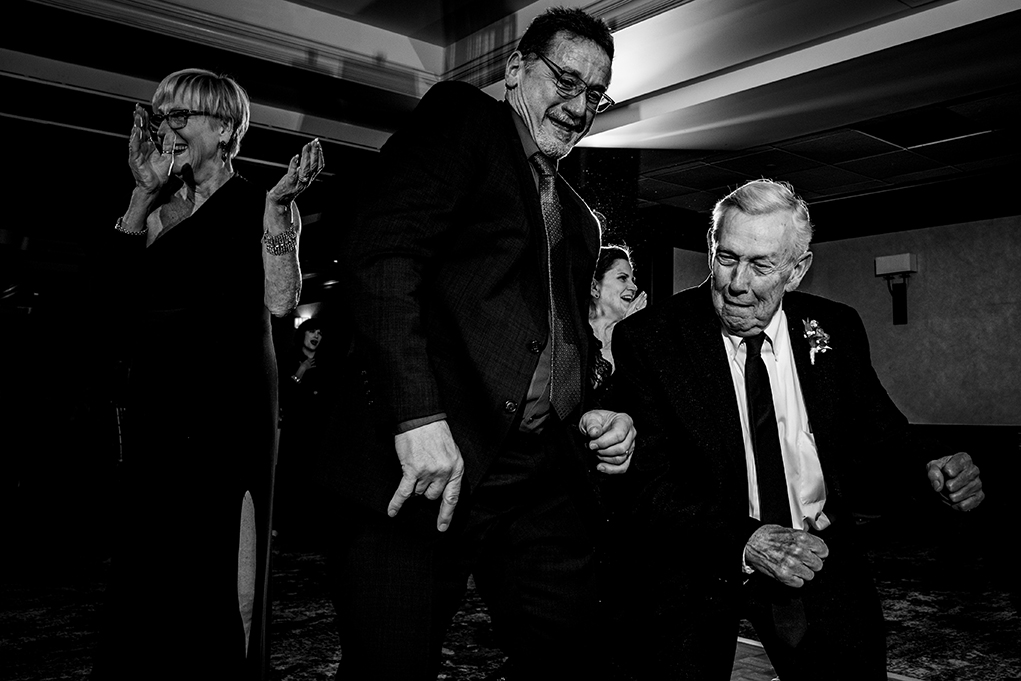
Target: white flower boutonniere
<point x="818" y="340"/>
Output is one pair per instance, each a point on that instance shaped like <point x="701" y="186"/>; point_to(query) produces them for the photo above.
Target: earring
<point x="223" y="150"/>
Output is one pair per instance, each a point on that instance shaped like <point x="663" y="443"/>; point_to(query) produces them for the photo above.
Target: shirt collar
<point x="527" y="143"/>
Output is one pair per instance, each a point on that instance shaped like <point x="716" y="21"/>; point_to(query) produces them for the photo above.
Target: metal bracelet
<point x="119" y="226"/>
<point x="284" y="242"/>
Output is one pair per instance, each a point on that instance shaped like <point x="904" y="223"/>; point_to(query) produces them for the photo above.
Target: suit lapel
<point x="523" y="172"/>
<point x="819" y="381"/>
<point x="807" y="376"/>
<point x="706" y="395"/>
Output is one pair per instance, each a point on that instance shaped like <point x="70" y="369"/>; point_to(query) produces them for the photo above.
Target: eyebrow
<point x="757" y="258"/>
<point x="597" y="87"/>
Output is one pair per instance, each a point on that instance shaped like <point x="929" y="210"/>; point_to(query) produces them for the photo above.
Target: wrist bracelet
<point x="119" y="226"/>
<point x="295" y="379"/>
<point x="284" y="242"/>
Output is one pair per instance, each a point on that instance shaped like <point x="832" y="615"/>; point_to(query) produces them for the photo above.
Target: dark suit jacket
<point x="688" y="470"/>
<point x="449" y="290"/>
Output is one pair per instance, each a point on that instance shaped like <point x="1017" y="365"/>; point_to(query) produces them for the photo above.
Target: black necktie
<point x="565" y="388"/>
<point x="788" y="610"/>
<point x="773" y="504"/>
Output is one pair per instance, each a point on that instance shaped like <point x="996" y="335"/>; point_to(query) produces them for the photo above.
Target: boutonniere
<point x="818" y="340"/>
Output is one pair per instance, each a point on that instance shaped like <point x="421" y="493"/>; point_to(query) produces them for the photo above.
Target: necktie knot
<point x="543" y="164"/>
<point x="754" y="345"/>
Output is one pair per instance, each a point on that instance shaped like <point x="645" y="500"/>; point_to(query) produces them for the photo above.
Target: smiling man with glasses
<point x="457" y="451"/>
<point x="570" y="87"/>
<point x="556" y="83"/>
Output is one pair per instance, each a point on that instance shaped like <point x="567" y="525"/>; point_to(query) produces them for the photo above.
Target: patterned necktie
<point x="773" y="504"/>
<point x="565" y="388"/>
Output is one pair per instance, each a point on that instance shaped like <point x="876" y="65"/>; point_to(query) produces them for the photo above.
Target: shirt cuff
<point x="411" y="424"/>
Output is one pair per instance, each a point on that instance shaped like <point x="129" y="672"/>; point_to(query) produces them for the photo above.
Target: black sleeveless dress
<point x="200" y="431"/>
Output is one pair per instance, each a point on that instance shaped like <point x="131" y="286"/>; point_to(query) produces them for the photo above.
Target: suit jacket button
<point x="510" y="407"/>
<point x="535" y="347"/>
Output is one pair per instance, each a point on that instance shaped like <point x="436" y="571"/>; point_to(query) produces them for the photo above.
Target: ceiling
<point x="442" y="22"/>
<point x="884" y="114"/>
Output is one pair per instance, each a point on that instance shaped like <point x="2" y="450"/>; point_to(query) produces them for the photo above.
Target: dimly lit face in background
<point x="313" y="338"/>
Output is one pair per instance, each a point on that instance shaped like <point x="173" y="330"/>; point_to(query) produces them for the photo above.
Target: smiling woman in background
<point x="206" y="258"/>
<point x="614" y="297"/>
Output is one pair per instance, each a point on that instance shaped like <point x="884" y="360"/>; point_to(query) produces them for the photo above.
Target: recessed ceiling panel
<point x="834" y="147"/>
<point x="920" y="126"/>
<point x="703" y="176"/>
<point x="887" y="166"/>
<point x="767" y="163"/>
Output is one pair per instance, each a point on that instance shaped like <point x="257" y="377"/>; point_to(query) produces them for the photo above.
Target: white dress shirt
<point x="806" y="489"/>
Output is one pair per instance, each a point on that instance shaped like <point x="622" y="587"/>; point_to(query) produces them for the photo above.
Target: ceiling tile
<point x="886" y="166"/>
<point x="845" y="190"/>
<point x="842" y="145"/>
<point x="1010" y="162"/>
<point x="700" y="202"/>
<point x="970" y="148"/>
<point x="704" y="176"/>
<point x="920" y="126"/>
<point x="767" y="163"/>
<point x="651" y="160"/>
<point x="653" y="189"/>
<point x="823" y="178"/>
<point x="925" y="175"/>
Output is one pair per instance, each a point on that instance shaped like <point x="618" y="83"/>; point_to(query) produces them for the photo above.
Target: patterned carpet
<point x="947" y="596"/>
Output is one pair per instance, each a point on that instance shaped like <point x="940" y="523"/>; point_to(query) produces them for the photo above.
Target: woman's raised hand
<point x="637" y="304"/>
<point x="301" y="171"/>
<point x="149" y="165"/>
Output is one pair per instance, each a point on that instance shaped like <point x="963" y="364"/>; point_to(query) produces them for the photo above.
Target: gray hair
<point x="207" y="91"/>
<point x="762" y="197"/>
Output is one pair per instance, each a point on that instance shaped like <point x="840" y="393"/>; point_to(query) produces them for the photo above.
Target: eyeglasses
<point x="570" y="86"/>
<point x="176" y="119"/>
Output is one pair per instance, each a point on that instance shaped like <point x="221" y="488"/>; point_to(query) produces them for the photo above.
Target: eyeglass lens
<point x="571" y="86"/>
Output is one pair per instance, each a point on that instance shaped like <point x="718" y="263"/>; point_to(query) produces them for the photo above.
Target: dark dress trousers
<point x="450" y="304"/>
<point x="689" y="498"/>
